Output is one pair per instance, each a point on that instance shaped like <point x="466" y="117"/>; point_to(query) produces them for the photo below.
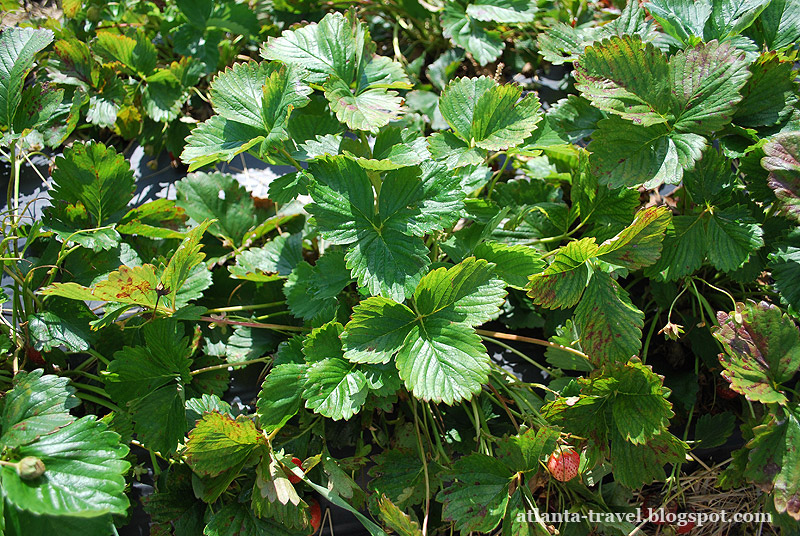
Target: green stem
<point x="274" y="327"/>
<point x="423" y="459"/>
<point x="520" y="354"/>
<point x="530" y="340"/>
<point x="226" y="365"/>
<point x="235" y="308"/>
<point x="496" y="176"/>
<point x="99" y="401"/>
<point x="650" y="332"/>
<point x="286" y="154"/>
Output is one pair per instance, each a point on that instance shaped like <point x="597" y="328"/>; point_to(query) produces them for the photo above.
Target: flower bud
<point x="30" y="467"/>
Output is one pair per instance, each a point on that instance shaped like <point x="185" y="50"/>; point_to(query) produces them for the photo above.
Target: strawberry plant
<point x="448" y="312"/>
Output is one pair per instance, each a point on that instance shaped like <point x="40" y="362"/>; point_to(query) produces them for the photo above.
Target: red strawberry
<point x="684" y="527"/>
<point x="35" y="356"/>
<point x="316" y="515"/>
<point x="563" y="464"/>
<point x="293" y="478"/>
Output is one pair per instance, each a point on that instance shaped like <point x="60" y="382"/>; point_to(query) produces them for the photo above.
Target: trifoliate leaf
<point x="254" y="101"/>
<point x="732" y="236"/>
<point x="489" y="115"/>
<point x="760" y="353"/>
<point x="19" y="46"/>
<point x="627" y="77"/>
<point x="773" y="464"/>
<point x="639" y="244"/>
<point x="95" y="177"/>
<point x="561" y="284"/>
<point x="478" y="496"/>
<point x="470" y="34"/>
<point x="219" y="442"/>
<point x="84" y="468"/>
<point x="151" y="380"/>
<point x="610" y="325"/>
<point x="384" y="256"/>
<point x="782" y="160"/>
<point x="36" y="405"/>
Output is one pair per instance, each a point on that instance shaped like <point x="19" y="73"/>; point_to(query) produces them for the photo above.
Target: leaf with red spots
<point x="639" y="244"/>
<point x="562" y="283"/>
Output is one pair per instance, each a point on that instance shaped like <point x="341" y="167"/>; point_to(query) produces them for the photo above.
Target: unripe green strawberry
<point x="30" y="467"/>
<point x="563" y="464"/>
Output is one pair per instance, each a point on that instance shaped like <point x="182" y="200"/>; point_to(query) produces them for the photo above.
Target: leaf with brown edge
<point x="783" y="163"/>
<point x="761" y="352"/>
<point x="639" y="244"/>
<point x="219" y="442"/>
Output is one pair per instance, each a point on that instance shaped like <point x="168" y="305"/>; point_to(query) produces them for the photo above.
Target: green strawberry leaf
<point x="639" y="244"/>
<point x="478" y="497"/>
<point x="562" y="283"/>
<point x="238" y="519"/>
<point x="36" y="405"/>
<point x="220" y="197"/>
<point x="501" y="10"/>
<point x="65" y="322"/>
<point x="610" y="325"/>
<point x="94" y="179"/>
<point x="682" y="19"/>
<point x="220" y="442"/>
<point x="626" y="77"/>
<point x="640" y="410"/>
<point x="625" y="154"/>
<point x="384" y="254"/>
<point x="137" y="55"/>
<point x="253" y="102"/>
<point x="769" y="95"/>
<point x="684" y="249"/>
<point x="778" y="26"/>
<point x="761" y="353"/>
<point x="335" y="388"/>
<point x="513" y="264"/>
<point x="280" y="396"/>
<point x="470" y="33"/>
<point x="18" y="47"/>
<point x="488" y="115"/>
<point x="84" y="468"/>
<point x="368" y="110"/>
<point x="707" y="82"/>
<point x="151" y="380"/>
